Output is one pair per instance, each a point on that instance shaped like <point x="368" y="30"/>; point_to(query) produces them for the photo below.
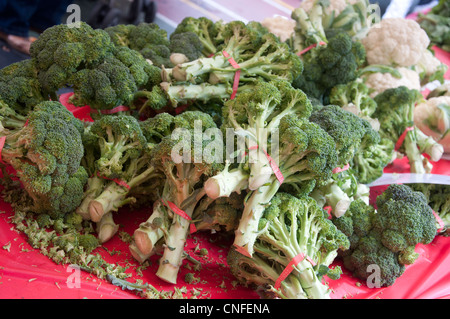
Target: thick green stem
<point x="247" y="230"/>
<point x="94" y="188"/>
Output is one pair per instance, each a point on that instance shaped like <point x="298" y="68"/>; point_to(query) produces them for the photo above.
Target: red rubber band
<point x="440" y="222"/>
<point x="116" y="180"/>
<point x="290" y="267"/>
<point x="183" y="214"/>
<point x="237" y="75"/>
<point x="339" y="169"/>
<point x="402" y="137"/>
<point x="328" y="209"/>
<point x="273" y="165"/>
<point x="310" y="47"/>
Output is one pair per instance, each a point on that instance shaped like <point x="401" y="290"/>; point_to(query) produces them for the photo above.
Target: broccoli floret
<point x="387" y="237"/>
<point x="188" y="44"/>
<point x="330" y="65"/>
<point x="395" y="113"/>
<point x="19" y="86"/>
<point x="285" y="232"/>
<point x="61" y="51"/>
<point x="146" y="38"/>
<point x="46" y="153"/>
<point x="404" y="218"/>
<point x="207" y="31"/>
<point x="354" y="96"/>
<point x="438" y="199"/>
<point x="350" y="132"/>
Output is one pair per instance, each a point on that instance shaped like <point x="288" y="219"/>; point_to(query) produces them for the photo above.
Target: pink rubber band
<point x="310" y="47"/>
<point x="290" y="267"/>
<point x="237" y="75"/>
<point x="116" y="180"/>
<point x="440" y="222"/>
<point x="339" y="169"/>
<point x="183" y="214"/>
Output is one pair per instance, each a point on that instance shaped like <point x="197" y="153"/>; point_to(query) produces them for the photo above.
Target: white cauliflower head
<point x="395" y="41"/>
<point x="280" y="26"/>
<point x="379" y="82"/>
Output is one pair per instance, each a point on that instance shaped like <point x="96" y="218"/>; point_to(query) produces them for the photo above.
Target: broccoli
<point x="436" y="23"/>
<point x="311" y="26"/>
<point x="259" y="54"/>
<point x="306" y="153"/>
<point x="207" y="31"/>
<point x="188" y="44"/>
<point x="123" y="154"/>
<point x="221" y="214"/>
<point x="329" y="65"/>
<point x="350" y="132"/>
<point x="386" y="237"/>
<point x="146" y="38"/>
<point x="395" y="113"/>
<point x="19" y="86"/>
<point x="46" y="152"/>
<point x="291" y="226"/>
<point x="438" y="199"/>
<point x="101" y="74"/>
<point x="175" y="157"/>
<point x="61" y="51"/>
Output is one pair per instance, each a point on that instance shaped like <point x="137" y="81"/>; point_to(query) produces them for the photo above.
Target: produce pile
<point x="228" y="127"/>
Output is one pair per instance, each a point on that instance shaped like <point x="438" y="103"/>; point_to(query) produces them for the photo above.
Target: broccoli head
<point x="19" y="86"/>
<point x="46" y="154"/>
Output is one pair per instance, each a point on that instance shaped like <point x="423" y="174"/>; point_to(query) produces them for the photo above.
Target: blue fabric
<point x="18" y="16"/>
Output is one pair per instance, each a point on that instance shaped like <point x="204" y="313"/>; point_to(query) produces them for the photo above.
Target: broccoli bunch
<point x="19" y="86"/>
<point x="291" y="227"/>
<point x="153" y="43"/>
<point x="311" y="26"/>
<point x="327" y="66"/>
<point x="176" y="156"/>
<point x="369" y="162"/>
<point x="386" y="238"/>
<point x="46" y="149"/>
<point x="303" y="152"/>
<point x="259" y="54"/>
<point x="395" y="113"/>
<point x="101" y="74"/>
<point x="438" y="196"/>
<point x="121" y="162"/>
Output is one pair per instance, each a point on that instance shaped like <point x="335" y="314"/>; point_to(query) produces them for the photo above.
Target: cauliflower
<point x="442" y="90"/>
<point x="335" y="5"/>
<point x="379" y="82"/>
<point x="432" y="117"/>
<point x="395" y="41"/>
<point x="430" y="68"/>
<point x="280" y="26"/>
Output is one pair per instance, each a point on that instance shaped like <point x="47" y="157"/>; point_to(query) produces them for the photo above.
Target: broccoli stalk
<point x="395" y="112"/>
<point x="106" y="228"/>
<point x="291" y="226"/>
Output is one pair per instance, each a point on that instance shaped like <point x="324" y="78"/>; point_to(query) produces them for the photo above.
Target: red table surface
<point x="26" y="273"/>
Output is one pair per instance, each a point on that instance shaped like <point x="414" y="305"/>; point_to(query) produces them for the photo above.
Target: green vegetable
<point x="46" y="154"/>
<point x="291" y="226"/>
<point x="386" y="238"/>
